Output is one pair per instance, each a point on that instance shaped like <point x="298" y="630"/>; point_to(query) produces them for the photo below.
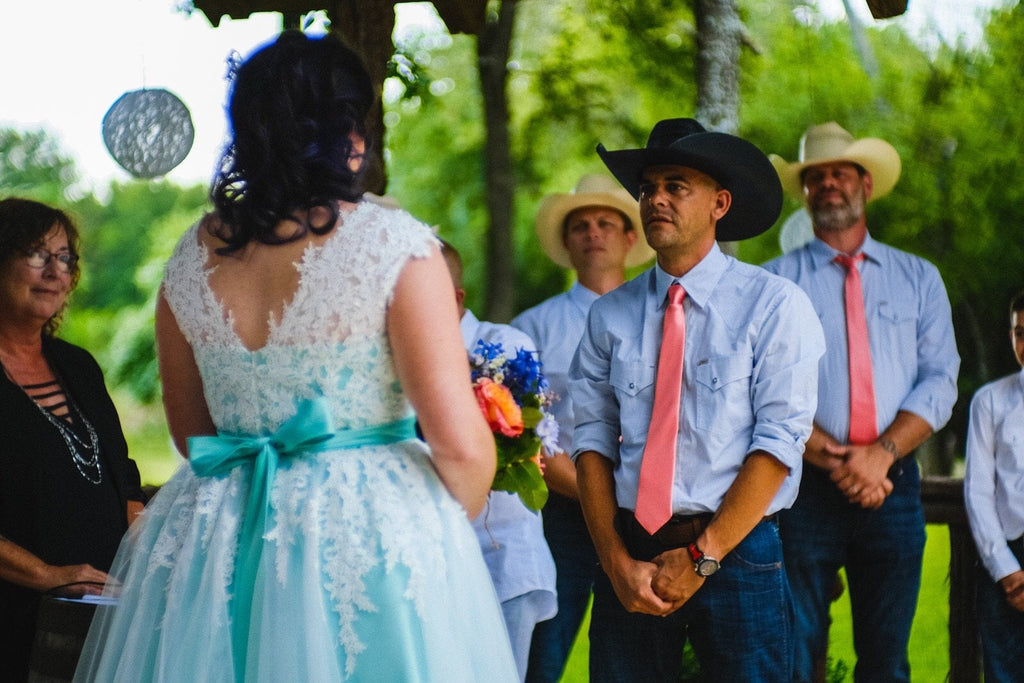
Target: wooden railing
<point x="943" y="500"/>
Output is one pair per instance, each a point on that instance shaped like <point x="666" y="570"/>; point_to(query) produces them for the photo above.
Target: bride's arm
<point x="184" y="400"/>
<point x="433" y="367"/>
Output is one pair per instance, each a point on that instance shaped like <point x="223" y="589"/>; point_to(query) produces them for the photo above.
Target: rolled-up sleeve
<point x="784" y="390"/>
<point x="934" y="393"/>
<point x="594" y="401"/>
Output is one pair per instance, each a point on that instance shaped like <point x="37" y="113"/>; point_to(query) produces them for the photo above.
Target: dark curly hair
<point x="293" y="106"/>
<point x="24" y="225"/>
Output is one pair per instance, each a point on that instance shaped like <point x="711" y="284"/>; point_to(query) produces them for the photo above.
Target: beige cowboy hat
<point x="828" y="143"/>
<point x="592" y="190"/>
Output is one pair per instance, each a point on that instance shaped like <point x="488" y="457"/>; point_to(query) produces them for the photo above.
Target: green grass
<point x="929" y="636"/>
<point x="150" y="446"/>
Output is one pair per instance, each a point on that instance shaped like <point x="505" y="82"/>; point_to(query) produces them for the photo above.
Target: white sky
<point x="63" y="63"/>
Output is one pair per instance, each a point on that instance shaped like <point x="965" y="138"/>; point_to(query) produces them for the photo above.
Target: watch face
<point x="707" y="566"/>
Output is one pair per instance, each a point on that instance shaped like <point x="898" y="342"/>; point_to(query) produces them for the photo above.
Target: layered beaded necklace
<point x="86" y="456"/>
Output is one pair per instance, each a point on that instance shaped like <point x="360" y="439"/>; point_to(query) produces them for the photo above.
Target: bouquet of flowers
<point x="514" y="397"/>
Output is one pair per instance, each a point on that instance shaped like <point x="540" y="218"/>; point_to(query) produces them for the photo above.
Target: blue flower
<point x="521" y="374"/>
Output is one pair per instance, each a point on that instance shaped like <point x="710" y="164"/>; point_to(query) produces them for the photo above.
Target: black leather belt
<point x="678" y="532"/>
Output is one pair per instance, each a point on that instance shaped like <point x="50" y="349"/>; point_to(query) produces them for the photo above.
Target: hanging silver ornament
<point x="148" y="132"/>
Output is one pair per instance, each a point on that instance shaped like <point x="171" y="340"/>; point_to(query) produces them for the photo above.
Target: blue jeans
<point x="882" y="551"/>
<point x="576" y="568"/>
<point x="1001" y="627"/>
<point x="739" y="624"/>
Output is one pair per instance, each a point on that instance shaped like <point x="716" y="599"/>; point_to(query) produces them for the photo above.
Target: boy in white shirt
<point x="995" y="508"/>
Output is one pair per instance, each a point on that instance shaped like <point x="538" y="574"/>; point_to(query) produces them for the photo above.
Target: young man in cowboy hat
<point x="594" y="231"/>
<point x="691" y="415"/>
<point x="881" y="392"/>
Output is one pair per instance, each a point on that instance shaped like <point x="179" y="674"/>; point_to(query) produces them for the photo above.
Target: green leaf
<point x="525" y="480"/>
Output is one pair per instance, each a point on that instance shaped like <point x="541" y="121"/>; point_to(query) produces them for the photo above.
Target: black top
<point x="46" y="505"/>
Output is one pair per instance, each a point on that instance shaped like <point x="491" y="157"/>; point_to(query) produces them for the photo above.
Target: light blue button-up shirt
<point x="995" y="472"/>
<point x="557" y="325"/>
<point x="750" y="377"/>
<point x="910" y="330"/>
<point x="511" y="536"/>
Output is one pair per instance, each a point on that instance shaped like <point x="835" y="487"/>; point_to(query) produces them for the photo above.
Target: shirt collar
<point x="822" y="254"/>
<point x="699" y="282"/>
<point x="581" y="296"/>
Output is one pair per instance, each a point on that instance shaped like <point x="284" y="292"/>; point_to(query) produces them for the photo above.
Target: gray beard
<point x="836" y="218"/>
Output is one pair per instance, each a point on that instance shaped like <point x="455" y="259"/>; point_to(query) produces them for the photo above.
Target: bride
<point x="311" y="536"/>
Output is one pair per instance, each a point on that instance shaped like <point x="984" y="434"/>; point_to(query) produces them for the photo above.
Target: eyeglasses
<point x="64" y="261"/>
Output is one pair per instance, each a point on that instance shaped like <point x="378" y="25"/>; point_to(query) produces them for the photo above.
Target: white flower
<point x="547" y="431"/>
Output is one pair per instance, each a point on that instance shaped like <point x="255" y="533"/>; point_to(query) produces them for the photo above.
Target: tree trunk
<point x="493" y="47"/>
<point x="719" y="35"/>
<point x="366" y="26"/>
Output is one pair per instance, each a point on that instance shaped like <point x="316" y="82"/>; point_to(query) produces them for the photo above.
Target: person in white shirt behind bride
<point x="511" y="535"/>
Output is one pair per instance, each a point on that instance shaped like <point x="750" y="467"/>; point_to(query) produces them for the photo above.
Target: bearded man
<point x="886" y="382"/>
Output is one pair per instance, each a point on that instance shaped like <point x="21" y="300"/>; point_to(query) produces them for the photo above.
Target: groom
<point x="692" y="408"/>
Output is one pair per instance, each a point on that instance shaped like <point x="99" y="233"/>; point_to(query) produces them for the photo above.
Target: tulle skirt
<point x="369" y="572"/>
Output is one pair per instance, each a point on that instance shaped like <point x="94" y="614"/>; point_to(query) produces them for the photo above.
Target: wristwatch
<point x="703" y="564"/>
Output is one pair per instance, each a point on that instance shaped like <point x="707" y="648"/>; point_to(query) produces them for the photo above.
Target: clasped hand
<point x="860" y="473"/>
<point x="658" y="587"/>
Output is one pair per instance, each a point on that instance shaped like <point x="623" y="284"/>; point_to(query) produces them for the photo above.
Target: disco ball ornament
<point x="148" y="132"/>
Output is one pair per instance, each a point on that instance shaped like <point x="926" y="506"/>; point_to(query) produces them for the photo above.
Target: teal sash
<point x="310" y="430"/>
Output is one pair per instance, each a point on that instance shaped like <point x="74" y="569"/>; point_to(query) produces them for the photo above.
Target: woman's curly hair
<point x="294" y="105"/>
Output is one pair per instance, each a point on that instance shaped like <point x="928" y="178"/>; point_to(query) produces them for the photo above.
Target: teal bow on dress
<point x="310" y="430"/>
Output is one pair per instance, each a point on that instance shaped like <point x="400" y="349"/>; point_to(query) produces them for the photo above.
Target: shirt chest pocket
<point x="633" y="381"/>
<point x="723" y="393"/>
<point x="897" y="324"/>
<point x="630" y="378"/>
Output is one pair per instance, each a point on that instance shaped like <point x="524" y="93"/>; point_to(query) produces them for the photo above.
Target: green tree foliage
<point x="33" y="166"/>
<point x="125" y="243"/>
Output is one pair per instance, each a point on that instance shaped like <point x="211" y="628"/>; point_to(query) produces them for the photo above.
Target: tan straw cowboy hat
<point x="591" y="190"/>
<point x="829" y="143"/>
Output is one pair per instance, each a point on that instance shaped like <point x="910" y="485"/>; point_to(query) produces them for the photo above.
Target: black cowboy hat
<point x="734" y="163"/>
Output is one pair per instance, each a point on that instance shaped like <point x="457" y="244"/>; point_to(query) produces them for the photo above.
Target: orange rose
<point x="499" y="408"/>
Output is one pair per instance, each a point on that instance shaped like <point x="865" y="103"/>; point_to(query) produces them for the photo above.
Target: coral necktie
<point x="657" y="470"/>
<point x="863" y="422"/>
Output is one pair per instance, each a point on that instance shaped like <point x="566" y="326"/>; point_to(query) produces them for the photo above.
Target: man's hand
<point x="1013" y="587"/>
<point x="632" y="581"/>
<point x="863" y="475"/>
<point x="819" y="452"/>
<point x="676" y="580"/>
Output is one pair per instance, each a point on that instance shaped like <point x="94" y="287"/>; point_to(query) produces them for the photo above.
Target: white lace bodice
<point x="331" y="340"/>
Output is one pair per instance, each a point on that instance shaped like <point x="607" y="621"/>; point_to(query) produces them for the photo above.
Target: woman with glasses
<point x="67" y="487"/>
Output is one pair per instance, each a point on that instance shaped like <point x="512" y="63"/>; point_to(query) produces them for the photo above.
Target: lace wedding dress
<point x="368" y="570"/>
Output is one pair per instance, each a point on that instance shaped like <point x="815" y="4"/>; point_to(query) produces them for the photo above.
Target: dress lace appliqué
<point x="358" y="510"/>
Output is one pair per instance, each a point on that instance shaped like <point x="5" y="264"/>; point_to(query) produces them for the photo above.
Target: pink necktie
<point x="863" y="429"/>
<point x="654" y="494"/>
